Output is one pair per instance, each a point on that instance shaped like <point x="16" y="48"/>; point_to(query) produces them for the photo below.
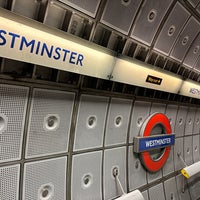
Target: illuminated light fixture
<point x="134" y="195"/>
<point x="191" y="170"/>
<point x="190" y="89"/>
<point x="138" y="73"/>
<point x="30" y="41"/>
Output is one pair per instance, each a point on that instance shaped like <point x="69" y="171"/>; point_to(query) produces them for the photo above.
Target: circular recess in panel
<point x="51" y="122"/>
<point x="171" y="30"/>
<point x="172" y="196"/>
<point x="152" y="15"/>
<point x="195" y="148"/>
<point x="188" y="150"/>
<point x="190" y="121"/>
<point x="46" y="192"/>
<point x="91" y="121"/>
<point x="180" y="121"/>
<point x="170" y="121"/>
<point x="87" y="181"/>
<point x="118" y="121"/>
<point x="196" y="49"/>
<point x="185" y="40"/>
<point x="197" y="121"/>
<point x="125" y="2"/>
<point x="137" y="165"/>
<point x="139" y="121"/>
<point x="3" y="122"/>
<point x="114" y="171"/>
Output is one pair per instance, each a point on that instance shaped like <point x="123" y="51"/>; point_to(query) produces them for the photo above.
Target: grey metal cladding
<point x="194" y="2"/>
<point x="197" y="65"/>
<point x="193" y="53"/>
<point x="185" y="39"/>
<point x="149" y="19"/>
<point x="171" y="29"/>
<point x="119" y="15"/>
<point x="89" y="7"/>
<point x="31" y="8"/>
<point x="54" y="16"/>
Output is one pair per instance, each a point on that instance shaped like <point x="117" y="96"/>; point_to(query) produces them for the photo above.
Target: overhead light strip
<point x="30" y="41"/>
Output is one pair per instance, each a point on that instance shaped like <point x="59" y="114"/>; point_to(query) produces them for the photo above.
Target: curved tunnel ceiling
<point x="164" y="33"/>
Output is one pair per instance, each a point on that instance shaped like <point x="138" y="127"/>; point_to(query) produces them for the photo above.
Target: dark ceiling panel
<point x="149" y="19"/>
<point x="89" y="7"/>
<point x="194" y="2"/>
<point x="171" y="29"/>
<point x="197" y="65"/>
<point x="54" y="16"/>
<point x="26" y="8"/>
<point x="193" y="53"/>
<point x="185" y="39"/>
<point x="119" y="14"/>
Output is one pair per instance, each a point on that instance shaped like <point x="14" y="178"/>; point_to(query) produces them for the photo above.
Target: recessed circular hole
<point x="190" y="121"/>
<point x="185" y="40"/>
<point x="152" y="15"/>
<point x="125" y="2"/>
<point x="118" y="121"/>
<point x="196" y="49"/>
<point x="92" y="120"/>
<point x="180" y="121"/>
<point x="139" y="121"/>
<point x="2" y="123"/>
<point x="188" y="150"/>
<point x="87" y="180"/>
<point x="172" y="196"/>
<point x="137" y="164"/>
<point x="197" y="121"/>
<point x="195" y="148"/>
<point x="51" y="122"/>
<point x="46" y="192"/>
<point x="171" y="30"/>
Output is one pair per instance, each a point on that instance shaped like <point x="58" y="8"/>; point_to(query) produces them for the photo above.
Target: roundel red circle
<point x="150" y="164"/>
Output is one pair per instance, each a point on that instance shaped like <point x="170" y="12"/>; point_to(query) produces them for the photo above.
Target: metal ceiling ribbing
<point x="157" y="32"/>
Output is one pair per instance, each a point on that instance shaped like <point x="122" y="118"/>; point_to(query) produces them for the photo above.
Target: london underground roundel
<point x="154" y="141"/>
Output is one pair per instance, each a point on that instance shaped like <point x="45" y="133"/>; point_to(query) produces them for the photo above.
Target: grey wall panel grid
<point x="188" y="150"/>
<point x="180" y="121"/>
<point x="13" y="104"/>
<point x="136" y="172"/>
<point x="149" y="19"/>
<point x="45" y="179"/>
<point x="178" y="150"/>
<point x="114" y="158"/>
<point x="141" y="110"/>
<point x="117" y="121"/>
<point x="9" y="182"/>
<point x="91" y="122"/>
<point x="49" y="124"/>
<point x="171" y="189"/>
<point x="182" y="184"/>
<point x="195" y="146"/>
<point x="189" y="124"/>
<point x="119" y="14"/>
<point x="171" y="29"/>
<point x="171" y="113"/>
<point x="154" y="194"/>
<point x="86" y="176"/>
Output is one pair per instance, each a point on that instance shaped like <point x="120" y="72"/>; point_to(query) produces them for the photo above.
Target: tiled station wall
<point x="63" y="145"/>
